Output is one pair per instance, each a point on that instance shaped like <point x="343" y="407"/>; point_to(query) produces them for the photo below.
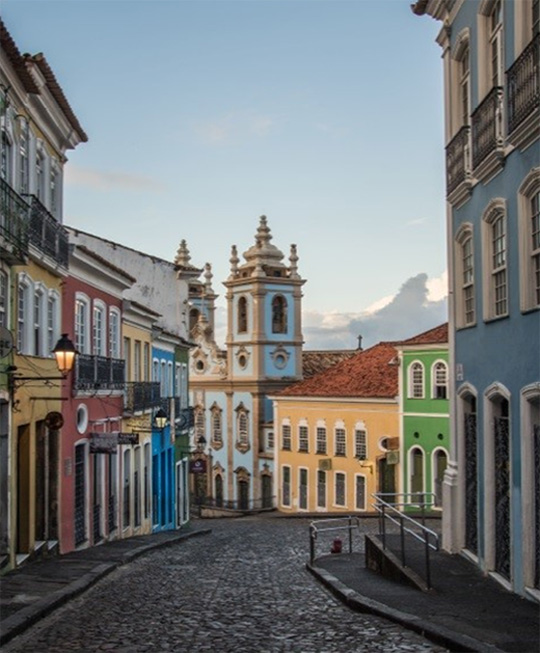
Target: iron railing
<point x="487" y="126"/>
<point x="335" y="525"/>
<point x="98" y="372"/>
<point x="522" y="82"/>
<point x="390" y="509"/>
<point x="14" y="223"/>
<point x="46" y="233"/>
<point x="142" y="395"/>
<point x="458" y="159"/>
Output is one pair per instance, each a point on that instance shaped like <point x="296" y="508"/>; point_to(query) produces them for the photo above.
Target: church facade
<point x="233" y="464"/>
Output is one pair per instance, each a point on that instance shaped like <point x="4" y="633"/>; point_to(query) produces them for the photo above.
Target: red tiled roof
<point x="314" y="361"/>
<point x="438" y="335"/>
<point x="21" y="65"/>
<point x="372" y="373"/>
<point x="16" y="60"/>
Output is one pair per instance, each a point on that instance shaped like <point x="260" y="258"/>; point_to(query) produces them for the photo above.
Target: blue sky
<point x="202" y="115"/>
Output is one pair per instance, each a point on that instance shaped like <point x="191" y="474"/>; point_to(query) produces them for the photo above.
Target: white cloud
<point x="110" y="180"/>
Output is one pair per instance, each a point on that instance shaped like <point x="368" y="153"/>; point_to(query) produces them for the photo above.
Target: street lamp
<point x="65" y="352"/>
<point x="160" y="419"/>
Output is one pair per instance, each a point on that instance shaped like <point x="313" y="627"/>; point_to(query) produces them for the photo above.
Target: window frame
<point x="81" y="327"/>
<point x="286" y="438"/>
<point x="340" y="441"/>
<point x="415" y="384"/>
<point x="360" y="442"/>
<point x="279" y="310"/>
<point x="495" y="261"/>
<point x="465" y="277"/>
<point x="529" y="256"/>
<point x="321" y="446"/>
<point x="99" y="328"/>
<point x="338" y="476"/>
<point x="242" y="314"/>
<point x="303" y="437"/>
<point x="435" y="381"/>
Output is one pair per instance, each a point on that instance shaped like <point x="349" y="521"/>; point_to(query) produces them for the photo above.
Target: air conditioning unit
<point x="392" y="458"/>
<point x="325" y="464"/>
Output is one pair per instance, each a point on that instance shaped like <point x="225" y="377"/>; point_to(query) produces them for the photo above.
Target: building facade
<point x="492" y="125"/>
<point x="425" y="420"/>
<point x="338" y="435"/>
<point x="37" y="128"/>
<point x="230" y="390"/>
<point x="91" y="464"/>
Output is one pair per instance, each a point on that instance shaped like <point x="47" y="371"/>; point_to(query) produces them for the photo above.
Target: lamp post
<point x="65" y="354"/>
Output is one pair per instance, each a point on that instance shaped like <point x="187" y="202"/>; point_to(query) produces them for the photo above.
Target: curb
<point x="438" y="634"/>
<point x="28" y="616"/>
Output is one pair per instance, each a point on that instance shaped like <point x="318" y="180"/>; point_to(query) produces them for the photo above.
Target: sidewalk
<point x="31" y="592"/>
<point x="465" y="610"/>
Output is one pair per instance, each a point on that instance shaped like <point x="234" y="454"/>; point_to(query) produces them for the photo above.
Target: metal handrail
<point x="314" y="530"/>
<point x="392" y="512"/>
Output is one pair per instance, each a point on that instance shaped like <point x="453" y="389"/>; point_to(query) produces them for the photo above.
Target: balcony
<point x="14" y="222"/>
<point x="46" y="233"/>
<point x="487" y="134"/>
<point x="141" y="395"/>
<point x="458" y="166"/>
<point x="522" y="81"/>
<point x="99" y="373"/>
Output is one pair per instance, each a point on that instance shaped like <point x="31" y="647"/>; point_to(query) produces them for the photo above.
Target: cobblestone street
<point x="241" y="588"/>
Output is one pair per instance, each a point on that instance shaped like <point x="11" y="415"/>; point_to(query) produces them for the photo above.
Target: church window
<point x="217" y="433"/>
<point x="279" y="314"/>
<point x="193" y="318"/>
<point x="242" y="315"/>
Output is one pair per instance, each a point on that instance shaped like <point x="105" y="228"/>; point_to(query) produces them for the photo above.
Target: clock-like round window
<point x="82" y="418"/>
<point x="242" y="361"/>
<point x="280" y="361"/>
<point x="199" y="366"/>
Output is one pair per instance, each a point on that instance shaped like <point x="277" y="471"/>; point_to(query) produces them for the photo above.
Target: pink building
<point x="89" y="466"/>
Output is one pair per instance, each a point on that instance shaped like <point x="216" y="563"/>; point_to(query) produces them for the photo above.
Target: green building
<point x="424" y="403"/>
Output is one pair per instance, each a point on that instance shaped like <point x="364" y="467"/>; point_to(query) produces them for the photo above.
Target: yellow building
<point x="142" y="397"/>
<point x="37" y="128"/>
<point x="337" y="435"/>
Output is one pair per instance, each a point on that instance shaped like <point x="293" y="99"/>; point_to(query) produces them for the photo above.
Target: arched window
<point x="465" y="284"/>
<point x="217" y="433"/>
<point x="279" y="314"/>
<point x="193" y="318"/>
<point x="440" y="380"/>
<point x="242" y="315"/>
<point x="440" y="461"/>
<point x="416" y="381"/>
<point x="416" y="473"/>
<point x="495" y="259"/>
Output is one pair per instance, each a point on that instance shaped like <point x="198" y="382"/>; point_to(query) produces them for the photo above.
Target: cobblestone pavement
<point x="243" y="588"/>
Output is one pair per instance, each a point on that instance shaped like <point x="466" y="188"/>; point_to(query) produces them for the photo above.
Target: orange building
<point x="338" y="432"/>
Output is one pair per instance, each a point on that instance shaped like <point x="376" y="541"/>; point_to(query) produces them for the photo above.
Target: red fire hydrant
<point x="337" y="544"/>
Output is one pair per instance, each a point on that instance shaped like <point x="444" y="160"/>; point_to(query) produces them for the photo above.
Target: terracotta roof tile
<point x="316" y="361"/>
<point x="56" y="91"/>
<point x="16" y="59"/>
<point x="372" y="373"/>
<point x="437" y="335"/>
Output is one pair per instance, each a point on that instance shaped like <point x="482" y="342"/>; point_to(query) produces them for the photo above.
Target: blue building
<point x="233" y="415"/>
<point x="164" y="371"/>
<point x="491" y="57"/>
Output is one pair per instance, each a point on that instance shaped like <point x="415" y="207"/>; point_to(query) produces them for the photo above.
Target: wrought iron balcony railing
<point x="487" y="126"/>
<point x="458" y="159"/>
<point x="523" y="84"/>
<point x="99" y="373"/>
<point x="14" y="224"/>
<point x="142" y="395"/>
<point x="46" y="233"/>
